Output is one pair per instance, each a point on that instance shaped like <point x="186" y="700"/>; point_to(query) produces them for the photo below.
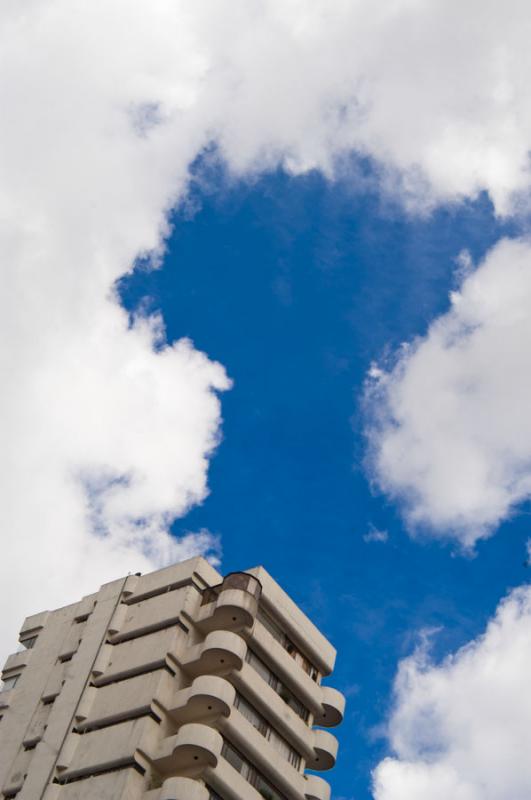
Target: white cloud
<point x="375" y="535"/>
<point x="107" y="431"/>
<point x="104" y="106"/>
<point x="439" y="100"/>
<point x="460" y="729"/>
<point x="450" y="431"/>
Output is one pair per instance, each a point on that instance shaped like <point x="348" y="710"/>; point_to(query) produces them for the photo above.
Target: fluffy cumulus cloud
<point x="106" y="429"/>
<point x="450" y="430"/>
<point x="459" y="729"/>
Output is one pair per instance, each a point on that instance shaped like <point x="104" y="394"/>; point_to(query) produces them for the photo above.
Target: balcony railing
<point x="234" y="580"/>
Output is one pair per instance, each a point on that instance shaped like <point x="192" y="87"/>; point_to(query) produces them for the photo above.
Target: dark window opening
<point x="278" y="634"/>
<point x="267" y="731"/>
<point x="9" y="683"/>
<point x="276" y="684"/>
<point x="29" y="643"/>
<point x="250" y="773"/>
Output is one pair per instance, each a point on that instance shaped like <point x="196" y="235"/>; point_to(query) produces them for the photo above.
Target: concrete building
<point x="177" y="685"/>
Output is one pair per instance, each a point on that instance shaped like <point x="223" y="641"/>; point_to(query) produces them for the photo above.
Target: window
<point x="273" y="628"/>
<point x="251" y="715"/>
<point x="209" y="595"/>
<point x="269" y="733"/>
<point x="289" y="698"/>
<point x="233" y="757"/>
<point x="288" y="645"/>
<point x="9" y="683"/>
<point x="29" y="643"/>
<point x="250" y="773"/>
<point x="263" y="670"/>
<point x="307" y="665"/>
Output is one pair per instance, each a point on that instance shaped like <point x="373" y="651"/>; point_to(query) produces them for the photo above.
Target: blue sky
<point x="266" y="287"/>
<point x="296" y="285"/>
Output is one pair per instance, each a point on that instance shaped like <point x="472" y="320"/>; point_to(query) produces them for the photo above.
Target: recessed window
<point x="267" y="731"/>
<point x="29" y="643"/>
<point x="277" y="685"/>
<point x="249" y="773"/>
<point x="9" y="683"/>
<point x="288" y="645"/>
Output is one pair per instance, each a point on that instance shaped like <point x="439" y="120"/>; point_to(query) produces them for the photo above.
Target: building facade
<point x="176" y="685"/>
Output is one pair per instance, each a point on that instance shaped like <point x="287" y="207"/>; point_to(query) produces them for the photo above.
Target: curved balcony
<point x="316" y="788"/>
<point x="183" y="789"/>
<point x="195" y="747"/>
<point x="333" y="708"/>
<point x="235" y="580"/>
<point x="232" y="605"/>
<point x="207" y="696"/>
<point x="221" y="651"/>
<point x="325" y="749"/>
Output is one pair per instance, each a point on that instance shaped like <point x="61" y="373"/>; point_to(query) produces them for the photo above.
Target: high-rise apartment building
<point x="177" y="685"/>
